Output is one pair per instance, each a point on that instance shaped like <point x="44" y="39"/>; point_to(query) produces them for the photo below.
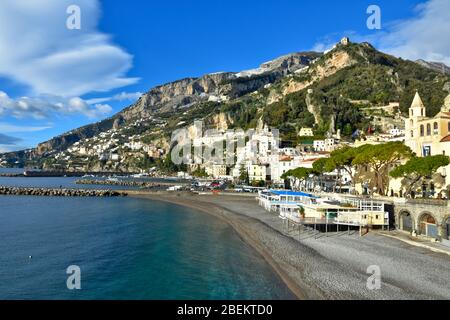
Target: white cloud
<point x="43" y="107"/>
<point x="9" y="128"/>
<point x="38" y="50"/>
<point x="123" y="96"/>
<point x="424" y="36"/>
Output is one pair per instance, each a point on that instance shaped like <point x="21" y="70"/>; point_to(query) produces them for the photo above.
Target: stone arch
<point x="446" y="227"/>
<point x="405" y="221"/>
<point x="428" y="225"/>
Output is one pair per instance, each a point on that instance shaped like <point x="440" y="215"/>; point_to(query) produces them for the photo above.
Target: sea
<point x="123" y="249"/>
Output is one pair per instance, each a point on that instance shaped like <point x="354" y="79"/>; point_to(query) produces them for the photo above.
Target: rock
<point x="19" y="191"/>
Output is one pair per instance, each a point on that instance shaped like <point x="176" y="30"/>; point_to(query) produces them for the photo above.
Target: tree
<point x="342" y="159"/>
<point x="301" y="174"/>
<point x="348" y="130"/>
<point x="200" y="173"/>
<point x="322" y="166"/>
<point x="417" y="169"/>
<point x="243" y="175"/>
<point x="380" y="158"/>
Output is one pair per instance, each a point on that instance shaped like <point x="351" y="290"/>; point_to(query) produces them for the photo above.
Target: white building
<point x="306" y="132"/>
<point x="327" y="145"/>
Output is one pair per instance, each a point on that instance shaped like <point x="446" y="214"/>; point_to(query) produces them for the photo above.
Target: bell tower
<point x="417" y="109"/>
<point x="417" y="112"/>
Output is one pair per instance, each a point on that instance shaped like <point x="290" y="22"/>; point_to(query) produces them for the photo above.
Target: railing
<point x="430" y="202"/>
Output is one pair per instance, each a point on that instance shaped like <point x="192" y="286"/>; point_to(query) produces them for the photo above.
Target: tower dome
<point x="417" y="102"/>
<point x="446" y="106"/>
<point x="417" y="108"/>
<point x="447" y="101"/>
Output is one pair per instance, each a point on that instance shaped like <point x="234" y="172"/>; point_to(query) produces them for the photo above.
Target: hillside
<point x="324" y="91"/>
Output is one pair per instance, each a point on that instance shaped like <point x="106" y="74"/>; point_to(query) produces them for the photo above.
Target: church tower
<point x="417" y="109"/>
<point x="417" y="112"/>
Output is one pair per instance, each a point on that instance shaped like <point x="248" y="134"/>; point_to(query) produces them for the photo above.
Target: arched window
<point x="422" y="130"/>
<point x="435" y="128"/>
<point x="411" y="122"/>
<point x="428" y="129"/>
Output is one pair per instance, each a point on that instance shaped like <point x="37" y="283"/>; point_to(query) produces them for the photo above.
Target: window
<point x="428" y="129"/>
<point x="435" y="128"/>
<point x="448" y="126"/>
<point x="426" y="151"/>
<point x="412" y="134"/>
<point x="422" y="130"/>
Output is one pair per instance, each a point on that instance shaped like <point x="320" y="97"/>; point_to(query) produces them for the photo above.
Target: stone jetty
<point x="49" y="192"/>
<point x="126" y="183"/>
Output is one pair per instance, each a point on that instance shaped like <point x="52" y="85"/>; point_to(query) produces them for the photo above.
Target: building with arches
<point x="429" y="136"/>
<point x="430" y="220"/>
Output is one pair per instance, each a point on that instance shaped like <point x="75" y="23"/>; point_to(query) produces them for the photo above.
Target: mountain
<point x="436" y="66"/>
<point x="326" y="91"/>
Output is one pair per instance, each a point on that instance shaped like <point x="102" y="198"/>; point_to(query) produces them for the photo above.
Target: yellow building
<point x="428" y="136"/>
<point x="306" y="132"/>
<point x="257" y="172"/>
<point x="216" y="170"/>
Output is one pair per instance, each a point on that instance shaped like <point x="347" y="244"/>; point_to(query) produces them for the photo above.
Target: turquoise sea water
<point x="126" y="249"/>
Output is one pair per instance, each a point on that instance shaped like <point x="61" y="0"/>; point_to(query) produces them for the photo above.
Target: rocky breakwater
<point x="11" y="175"/>
<point x="48" y="192"/>
<point x="126" y="183"/>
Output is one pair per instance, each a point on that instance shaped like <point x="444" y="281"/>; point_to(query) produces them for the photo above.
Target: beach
<point x="326" y="266"/>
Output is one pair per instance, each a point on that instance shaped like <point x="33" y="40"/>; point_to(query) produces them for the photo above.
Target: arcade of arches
<point x="433" y="224"/>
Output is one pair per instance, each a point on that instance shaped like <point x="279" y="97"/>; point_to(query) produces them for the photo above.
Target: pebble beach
<point x="327" y="266"/>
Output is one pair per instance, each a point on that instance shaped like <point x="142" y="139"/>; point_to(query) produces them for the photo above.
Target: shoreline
<point x="325" y="267"/>
<point x="218" y="212"/>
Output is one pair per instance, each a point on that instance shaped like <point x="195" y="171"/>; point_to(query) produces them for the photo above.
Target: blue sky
<point x="53" y="79"/>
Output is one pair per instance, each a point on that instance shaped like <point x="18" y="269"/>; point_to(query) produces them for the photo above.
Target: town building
<point x="306" y="132"/>
<point x="428" y="136"/>
<point x="326" y="145"/>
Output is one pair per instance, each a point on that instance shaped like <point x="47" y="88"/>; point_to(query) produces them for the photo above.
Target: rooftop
<point x="291" y="193"/>
<point x="446" y="139"/>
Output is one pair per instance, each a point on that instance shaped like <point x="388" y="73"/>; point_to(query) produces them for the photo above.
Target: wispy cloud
<point x="424" y="36"/>
<point x="10" y="128"/>
<point x="44" y="107"/>
<point x="39" y="51"/>
<point x="8" y="140"/>
<point x="123" y="96"/>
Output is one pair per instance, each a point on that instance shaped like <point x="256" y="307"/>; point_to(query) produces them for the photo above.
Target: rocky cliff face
<point x="436" y="66"/>
<point x="221" y="86"/>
